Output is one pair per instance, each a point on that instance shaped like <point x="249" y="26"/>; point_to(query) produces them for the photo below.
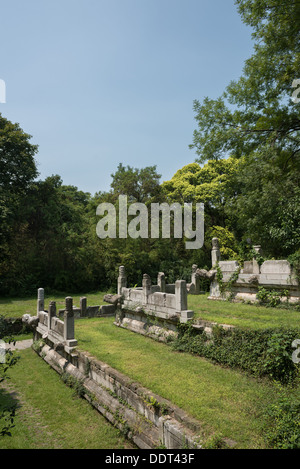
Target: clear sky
<point x="99" y="82"/>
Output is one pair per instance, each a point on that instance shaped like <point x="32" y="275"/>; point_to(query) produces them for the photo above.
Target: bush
<point x="266" y="352"/>
<point x="270" y="298"/>
<point x="283" y="430"/>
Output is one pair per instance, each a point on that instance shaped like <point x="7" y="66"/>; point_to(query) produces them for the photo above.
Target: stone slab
<point x="276" y="267"/>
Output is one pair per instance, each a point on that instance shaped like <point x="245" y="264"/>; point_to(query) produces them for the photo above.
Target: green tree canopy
<point x="267" y="208"/>
<point x="257" y="122"/>
<point x="17" y="171"/>
<point x="139" y="185"/>
<point x="213" y="184"/>
<point x="257" y="110"/>
<point x="17" y="164"/>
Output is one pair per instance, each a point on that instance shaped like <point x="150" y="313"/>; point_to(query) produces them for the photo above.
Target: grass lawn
<point x="16" y="307"/>
<point x="222" y="312"/>
<point x="224" y="400"/>
<point x="241" y="314"/>
<point x="48" y="415"/>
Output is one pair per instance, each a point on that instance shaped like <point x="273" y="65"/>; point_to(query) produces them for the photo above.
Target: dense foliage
<point x="247" y="174"/>
<point x="283" y="416"/>
<point x="265" y="352"/>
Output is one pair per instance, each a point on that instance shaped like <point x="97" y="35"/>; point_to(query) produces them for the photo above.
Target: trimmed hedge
<point x="266" y="352"/>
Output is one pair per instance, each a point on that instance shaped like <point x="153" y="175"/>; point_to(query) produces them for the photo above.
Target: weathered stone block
<point x="108" y="310"/>
<point x="83" y="306"/>
<point x="112" y="299"/>
<point x="248" y="267"/>
<point x="276" y="267"/>
<point x="228" y="266"/>
<point x="180" y="295"/>
<point x="122" y="280"/>
<point x="186" y="315"/>
<point x="92" y="311"/>
<point x="158" y="299"/>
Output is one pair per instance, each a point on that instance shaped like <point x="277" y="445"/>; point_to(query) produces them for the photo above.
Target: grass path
<point x="241" y="314"/>
<point x="224" y="400"/>
<point x="48" y="415"/>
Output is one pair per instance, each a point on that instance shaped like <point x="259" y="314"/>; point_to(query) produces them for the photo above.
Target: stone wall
<point x="147" y="419"/>
<point x="276" y="275"/>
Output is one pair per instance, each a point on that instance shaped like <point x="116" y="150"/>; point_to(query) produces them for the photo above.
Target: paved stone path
<point x="20" y="345"/>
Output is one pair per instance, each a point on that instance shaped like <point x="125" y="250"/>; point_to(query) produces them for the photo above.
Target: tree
<point x="256" y="121"/>
<point x="210" y="184"/>
<point x="213" y="184"/>
<point x="17" y="164"/>
<point x="257" y="110"/>
<point x="53" y="243"/>
<point x="17" y="171"/>
<point x="267" y="208"/>
<point x="139" y="185"/>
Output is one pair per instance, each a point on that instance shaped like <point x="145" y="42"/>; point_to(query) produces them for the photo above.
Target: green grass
<point x="222" y="312"/>
<point x="241" y="314"/>
<point x="48" y="414"/>
<point x="16" y="307"/>
<point x="224" y="400"/>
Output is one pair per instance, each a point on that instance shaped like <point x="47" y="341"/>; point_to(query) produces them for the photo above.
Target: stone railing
<point x="151" y="308"/>
<point x="47" y="326"/>
<point x="275" y="275"/>
<point x="83" y="311"/>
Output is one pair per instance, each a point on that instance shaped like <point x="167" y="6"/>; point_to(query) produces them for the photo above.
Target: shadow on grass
<point x="9" y="403"/>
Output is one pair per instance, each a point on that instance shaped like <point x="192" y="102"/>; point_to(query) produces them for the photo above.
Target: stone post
<point x="161" y="281"/>
<point x="122" y="279"/>
<point x="51" y="313"/>
<point x="146" y="288"/>
<point x="69" y="320"/>
<point x="215" y="252"/>
<point x="40" y="300"/>
<point x="195" y="279"/>
<point x="83" y="306"/>
<point x="257" y="250"/>
<point x="180" y="295"/>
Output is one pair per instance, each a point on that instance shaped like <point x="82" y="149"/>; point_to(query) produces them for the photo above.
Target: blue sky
<point x="99" y="82"/>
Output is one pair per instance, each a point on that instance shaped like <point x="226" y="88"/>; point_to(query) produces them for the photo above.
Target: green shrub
<point x="270" y="298"/>
<point x="283" y="416"/>
<point x="266" y="352"/>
